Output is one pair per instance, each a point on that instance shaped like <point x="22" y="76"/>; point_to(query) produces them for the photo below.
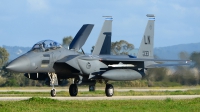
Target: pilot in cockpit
<point x="42" y="47"/>
<point x="45" y="45"/>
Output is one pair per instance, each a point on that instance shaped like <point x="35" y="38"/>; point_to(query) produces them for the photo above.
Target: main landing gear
<point x="109" y="90"/>
<point x="73" y="90"/>
<point x="53" y="81"/>
<point x="91" y="87"/>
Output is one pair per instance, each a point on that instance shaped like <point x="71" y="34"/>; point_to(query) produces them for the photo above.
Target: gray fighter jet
<point x="49" y="61"/>
<point x="43" y="63"/>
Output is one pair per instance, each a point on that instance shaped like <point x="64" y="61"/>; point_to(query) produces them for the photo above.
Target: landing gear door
<point x="51" y="61"/>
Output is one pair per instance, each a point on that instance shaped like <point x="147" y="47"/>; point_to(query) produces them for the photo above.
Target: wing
<point x="140" y="62"/>
<point x="126" y="58"/>
<point x="165" y="65"/>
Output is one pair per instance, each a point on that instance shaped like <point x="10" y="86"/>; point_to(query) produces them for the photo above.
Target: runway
<point x="153" y="97"/>
<point x="81" y="89"/>
<point x="163" y="97"/>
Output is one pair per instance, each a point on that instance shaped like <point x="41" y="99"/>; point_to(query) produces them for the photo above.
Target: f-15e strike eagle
<point x="49" y="61"/>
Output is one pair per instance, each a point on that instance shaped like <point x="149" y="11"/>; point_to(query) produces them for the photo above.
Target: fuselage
<point x="44" y="58"/>
<point x="40" y="59"/>
<point x="34" y="62"/>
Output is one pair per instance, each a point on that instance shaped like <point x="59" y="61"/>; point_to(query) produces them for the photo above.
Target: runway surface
<point x="104" y="97"/>
<point x="117" y="89"/>
<point x="109" y="98"/>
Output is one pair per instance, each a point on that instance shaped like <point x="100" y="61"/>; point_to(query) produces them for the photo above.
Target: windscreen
<point x="46" y="45"/>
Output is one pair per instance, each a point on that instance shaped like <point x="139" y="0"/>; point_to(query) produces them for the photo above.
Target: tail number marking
<point x="145" y="53"/>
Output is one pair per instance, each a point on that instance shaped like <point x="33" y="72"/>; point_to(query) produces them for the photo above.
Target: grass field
<point x="37" y="104"/>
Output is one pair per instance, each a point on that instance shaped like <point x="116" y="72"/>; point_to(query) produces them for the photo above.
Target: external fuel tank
<point x="122" y="75"/>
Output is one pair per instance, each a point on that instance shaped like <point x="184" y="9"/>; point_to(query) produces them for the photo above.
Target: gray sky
<point x="25" y="22"/>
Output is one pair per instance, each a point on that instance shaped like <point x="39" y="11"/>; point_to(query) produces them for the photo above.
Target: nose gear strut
<point x="53" y="81"/>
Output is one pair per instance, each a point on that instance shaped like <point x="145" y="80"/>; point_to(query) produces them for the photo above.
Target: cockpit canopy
<point x="46" y="45"/>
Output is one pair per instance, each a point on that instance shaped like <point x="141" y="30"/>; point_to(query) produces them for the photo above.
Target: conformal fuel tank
<point x="122" y="75"/>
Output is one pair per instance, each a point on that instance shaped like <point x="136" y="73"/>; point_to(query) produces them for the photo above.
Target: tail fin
<point x="147" y="44"/>
<point x="103" y="44"/>
<point x="81" y="37"/>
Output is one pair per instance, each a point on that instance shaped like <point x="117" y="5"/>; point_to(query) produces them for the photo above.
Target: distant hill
<point x="172" y="52"/>
<point x="16" y="51"/>
<point x="169" y="52"/>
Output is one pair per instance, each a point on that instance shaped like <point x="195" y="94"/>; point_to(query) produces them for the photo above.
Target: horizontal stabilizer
<point x="81" y="37"/>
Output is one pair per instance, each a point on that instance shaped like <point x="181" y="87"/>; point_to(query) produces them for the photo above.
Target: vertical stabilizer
<point x="147" y="44"/>
<point x="103" y="44"/>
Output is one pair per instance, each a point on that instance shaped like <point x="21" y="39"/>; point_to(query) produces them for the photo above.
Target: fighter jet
<point x="100" y="66"/>
<point x="49" y="61"/>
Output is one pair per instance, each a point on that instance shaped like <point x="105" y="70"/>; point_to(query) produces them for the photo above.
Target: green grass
<point x="37" y="104"/>
<point x="98" y="93"/>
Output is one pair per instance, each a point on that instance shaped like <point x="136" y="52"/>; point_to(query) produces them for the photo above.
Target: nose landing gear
<point x="53" y="92"/>
<point x="53" y="81"/>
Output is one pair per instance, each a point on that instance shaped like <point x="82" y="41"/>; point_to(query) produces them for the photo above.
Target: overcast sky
<point x="25" y="22"/>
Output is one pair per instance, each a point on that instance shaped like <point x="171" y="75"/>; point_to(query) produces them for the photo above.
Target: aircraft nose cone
<point x="20" y="64"/>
